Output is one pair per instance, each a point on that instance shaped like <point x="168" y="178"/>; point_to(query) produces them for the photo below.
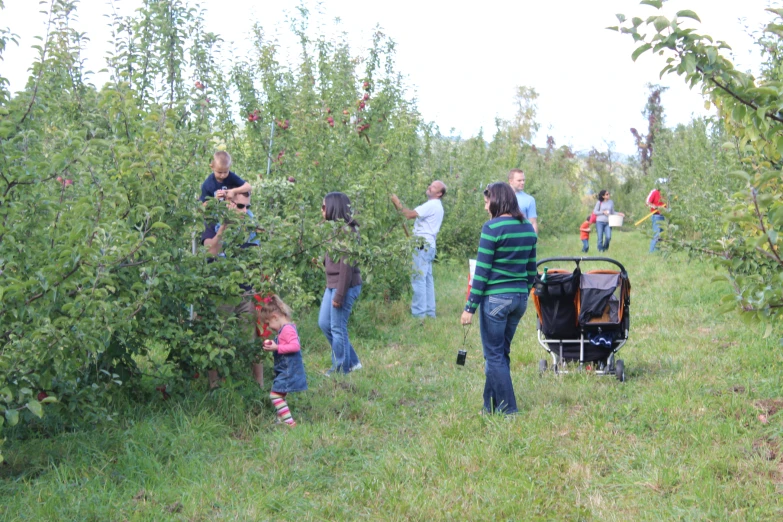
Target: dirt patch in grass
<point x="347" y="386"/>
<point x="241" y="435"/>
<point x="176" y="507"/>
<point x="769" y="406"/>
<point x="734" y="389"/>
<point x="767" y="449"/>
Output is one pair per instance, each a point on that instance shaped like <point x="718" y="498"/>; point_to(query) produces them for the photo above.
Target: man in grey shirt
<point x="429" y="217"/>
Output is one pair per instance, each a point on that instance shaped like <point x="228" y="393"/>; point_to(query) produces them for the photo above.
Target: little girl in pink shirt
<point x="289" y="369"/>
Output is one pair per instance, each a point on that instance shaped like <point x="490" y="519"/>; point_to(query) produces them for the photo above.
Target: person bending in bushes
<point x="245" y="311"/>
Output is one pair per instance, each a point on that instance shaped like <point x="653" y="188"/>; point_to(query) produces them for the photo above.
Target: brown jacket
<point x="341" y="276"/>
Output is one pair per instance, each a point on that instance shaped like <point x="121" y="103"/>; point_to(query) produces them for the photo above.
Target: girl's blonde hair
<point x="273" y="305"/>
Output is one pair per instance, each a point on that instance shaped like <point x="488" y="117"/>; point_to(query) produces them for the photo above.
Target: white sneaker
<point x="357" y="366"/>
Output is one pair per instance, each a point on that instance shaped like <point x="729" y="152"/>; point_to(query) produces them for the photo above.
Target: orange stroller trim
<point x="583" y="317"/>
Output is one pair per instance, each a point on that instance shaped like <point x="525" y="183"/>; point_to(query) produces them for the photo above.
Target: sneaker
<point x="357" y="366"/>
<point x="328" y="373"/>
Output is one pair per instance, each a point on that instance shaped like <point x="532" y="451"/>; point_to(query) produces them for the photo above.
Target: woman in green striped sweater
<point x="505" y="268"/>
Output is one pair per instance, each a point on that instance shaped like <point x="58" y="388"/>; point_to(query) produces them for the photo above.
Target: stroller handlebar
<point x="578" y="260"/>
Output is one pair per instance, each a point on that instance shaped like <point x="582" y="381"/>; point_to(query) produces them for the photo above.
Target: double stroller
<point x="583" y="317"/>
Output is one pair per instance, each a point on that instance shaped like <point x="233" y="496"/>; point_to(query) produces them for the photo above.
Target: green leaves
<point x="640" y="50"/>
<point x="12" y="416"/>
<point x="35" y="407"/>
<point x="741" y="225"/>
<point x="688" y="14"/>
<point x="660" y="23"/>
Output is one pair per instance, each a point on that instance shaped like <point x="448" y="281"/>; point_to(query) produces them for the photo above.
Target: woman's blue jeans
<point x="604" y="235"/>
<point x="334" y="324"/>
<point x="500" y="315"/>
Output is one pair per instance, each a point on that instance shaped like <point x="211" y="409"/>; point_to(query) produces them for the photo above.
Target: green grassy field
<point x="403" y="439"/>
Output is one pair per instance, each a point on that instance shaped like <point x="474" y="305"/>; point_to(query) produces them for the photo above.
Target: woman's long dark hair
<point x="503" y="200"/>
<point x="601" y="195"/>
<point x="338" y="208"/>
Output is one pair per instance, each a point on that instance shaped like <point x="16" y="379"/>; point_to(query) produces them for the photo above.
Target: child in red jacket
<point x="584" y="234"/>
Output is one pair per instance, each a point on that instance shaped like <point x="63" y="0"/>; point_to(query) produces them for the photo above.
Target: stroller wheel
<point x="542" y="366"/>
<point x="619" y="370"/>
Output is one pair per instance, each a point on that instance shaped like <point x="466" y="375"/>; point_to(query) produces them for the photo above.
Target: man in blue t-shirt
<point x="527" y="203"/>
<point x="429" y="217"/>
<point x="222" y="183"/>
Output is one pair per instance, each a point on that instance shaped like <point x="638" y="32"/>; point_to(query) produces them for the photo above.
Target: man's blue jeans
<point x="423" y="304"/>
<point x="657" y="222"/>
<point x="604" y="235"/>
<point x="500" y="315"/>
<point x="334" y="324"/>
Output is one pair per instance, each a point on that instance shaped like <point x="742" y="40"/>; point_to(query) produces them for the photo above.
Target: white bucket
<point x="471" y="273"/>
<point x="615" y="220"/>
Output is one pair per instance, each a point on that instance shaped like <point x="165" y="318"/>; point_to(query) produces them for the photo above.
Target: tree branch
<point x="773" y="254"/>
<point x="41" y="294"/>
<point x="737" y="97"/>
<point x="40" y="71"/>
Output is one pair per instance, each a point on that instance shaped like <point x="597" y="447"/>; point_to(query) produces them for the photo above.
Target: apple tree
<point x="743" y="235"/>
<point x="99" y="220"/>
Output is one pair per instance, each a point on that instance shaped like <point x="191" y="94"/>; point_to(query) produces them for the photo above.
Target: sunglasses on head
<point x="486" y="190"/>
<point x="242" y="206"/>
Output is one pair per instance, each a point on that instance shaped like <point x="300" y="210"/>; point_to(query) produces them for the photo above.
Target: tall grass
<point x="402" y="438"/>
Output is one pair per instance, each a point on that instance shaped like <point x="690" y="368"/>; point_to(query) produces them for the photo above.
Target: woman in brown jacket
<point x="343" y="286"/>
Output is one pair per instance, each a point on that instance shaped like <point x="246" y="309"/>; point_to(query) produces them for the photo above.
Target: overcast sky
<point x="463" y="60"/>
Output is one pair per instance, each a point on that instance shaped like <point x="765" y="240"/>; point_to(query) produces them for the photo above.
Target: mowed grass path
<point x="402" y="439"/>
